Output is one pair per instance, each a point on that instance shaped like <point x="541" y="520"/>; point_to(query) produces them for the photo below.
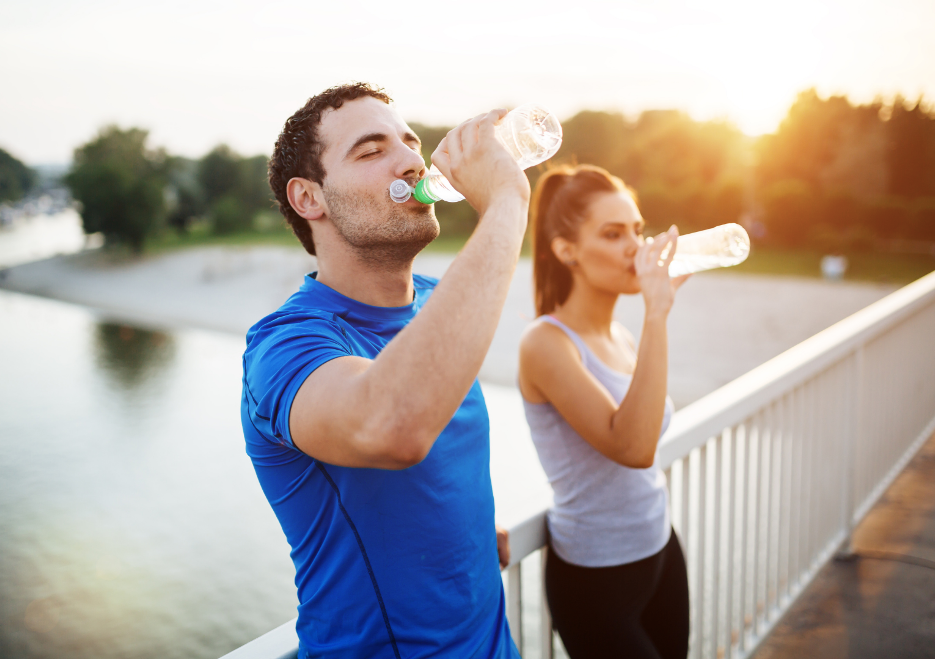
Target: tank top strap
<point x="577" y="340"/>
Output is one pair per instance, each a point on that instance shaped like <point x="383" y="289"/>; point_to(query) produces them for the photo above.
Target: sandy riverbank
<point x="721" y="326"/>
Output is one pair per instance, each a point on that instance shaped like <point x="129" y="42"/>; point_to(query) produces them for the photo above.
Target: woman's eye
<point x="612" y="235"/>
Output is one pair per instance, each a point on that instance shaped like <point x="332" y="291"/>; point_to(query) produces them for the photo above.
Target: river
<point x="42" y="235"/>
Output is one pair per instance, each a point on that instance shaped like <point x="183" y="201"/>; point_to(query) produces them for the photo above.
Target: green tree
<point x="234" y="188"/>
<point x="807" y="141"/>
<point x="790" y="212"/>
<point x="596" y="138"/>
<point x="912" y="149"/>
<point x="230" y="215"/>
<point x="219" y="173"/>
<point x="254" y="191"/>
<point x="685" y="172"/>
<point x="841" y="176"/>
<point x="829" y="144"/>
<point x="16" y="179"/>
<point x="672" y="149"/>
<point x="120" y="185"/>
<point x="186" y="198"/>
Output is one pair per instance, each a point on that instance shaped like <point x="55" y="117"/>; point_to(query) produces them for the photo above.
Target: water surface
<point x="39" y="236"/>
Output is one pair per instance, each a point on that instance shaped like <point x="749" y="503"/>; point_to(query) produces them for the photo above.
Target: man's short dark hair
<point x="298" y="149"/>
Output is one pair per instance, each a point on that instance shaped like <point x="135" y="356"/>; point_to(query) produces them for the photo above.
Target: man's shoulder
<point x="292" y="317"/>
<point x="292" y="331"/>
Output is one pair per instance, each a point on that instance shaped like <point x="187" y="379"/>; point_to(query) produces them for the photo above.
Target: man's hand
<point x="503" y="546"/>
<point x="478" y="165"/>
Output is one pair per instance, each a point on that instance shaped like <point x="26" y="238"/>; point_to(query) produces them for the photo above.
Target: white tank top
<point x="604" y="513"/>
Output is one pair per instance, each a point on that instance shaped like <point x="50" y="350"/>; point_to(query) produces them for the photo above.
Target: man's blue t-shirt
<point x="392" y="564"/>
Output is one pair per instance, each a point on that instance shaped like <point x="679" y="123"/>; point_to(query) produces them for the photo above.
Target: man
<point x="361" y="409"/>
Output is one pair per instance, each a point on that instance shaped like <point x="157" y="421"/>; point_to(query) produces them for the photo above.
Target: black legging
<point x="634" y="610"/>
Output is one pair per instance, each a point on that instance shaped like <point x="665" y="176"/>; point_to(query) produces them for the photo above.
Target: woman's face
<point x="607" y="243"/>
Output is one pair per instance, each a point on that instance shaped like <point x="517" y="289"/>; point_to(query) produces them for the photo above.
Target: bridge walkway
<point x="881" y="602"/>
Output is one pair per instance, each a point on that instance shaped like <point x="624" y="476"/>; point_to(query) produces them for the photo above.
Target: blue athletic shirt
<point x="393" y="564"/>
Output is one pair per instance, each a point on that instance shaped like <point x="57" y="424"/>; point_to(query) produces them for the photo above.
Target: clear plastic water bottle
<point x="720" y="247"/>
<point x="530" y="133"/>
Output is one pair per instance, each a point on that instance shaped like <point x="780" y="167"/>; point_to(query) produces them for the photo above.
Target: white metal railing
<point x="769" y="474"/>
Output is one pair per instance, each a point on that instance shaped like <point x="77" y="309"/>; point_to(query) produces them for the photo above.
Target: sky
<point x="197" y="73"/>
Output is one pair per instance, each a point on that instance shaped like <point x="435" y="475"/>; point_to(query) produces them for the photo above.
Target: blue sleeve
<point x="280" y="355"/>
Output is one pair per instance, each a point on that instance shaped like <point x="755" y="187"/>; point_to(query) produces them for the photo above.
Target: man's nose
<point x="410" y="164"/>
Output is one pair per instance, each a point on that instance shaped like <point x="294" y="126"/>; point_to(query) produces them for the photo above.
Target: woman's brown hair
<point x="558" y="208"/>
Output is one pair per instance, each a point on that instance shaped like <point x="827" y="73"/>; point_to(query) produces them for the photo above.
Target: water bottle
<point x="720" y="247"/>
<point x="530" y="133"/>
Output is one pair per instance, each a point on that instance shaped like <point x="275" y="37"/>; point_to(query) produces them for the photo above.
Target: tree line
<point x="129" y="192"/>
<point x="834" y="176"/>
<point x="839" y="173"/>
<point x="16" y="179"/>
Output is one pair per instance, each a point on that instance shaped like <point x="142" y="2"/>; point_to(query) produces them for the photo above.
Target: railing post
<point x="514" y="605"/>
<point x="851" y="446"/>
<point x="698" y="596"/>
<point x="545" y="616"/>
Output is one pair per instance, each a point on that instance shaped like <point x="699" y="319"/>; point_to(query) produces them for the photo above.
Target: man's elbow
<point x="399" y="447"/>
<point x="411" y="454"/>
<point x="407" y="451"/>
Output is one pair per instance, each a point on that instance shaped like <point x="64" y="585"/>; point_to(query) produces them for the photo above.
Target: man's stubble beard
<point x="396" y="236"/>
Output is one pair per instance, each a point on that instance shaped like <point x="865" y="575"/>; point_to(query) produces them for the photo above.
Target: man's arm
<point x="387" y="412"/>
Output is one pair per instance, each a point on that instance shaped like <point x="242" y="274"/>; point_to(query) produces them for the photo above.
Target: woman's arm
<point x="551" y="369"/>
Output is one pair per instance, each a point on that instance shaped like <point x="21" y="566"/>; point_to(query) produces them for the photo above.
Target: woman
<point x="615" y="575"/>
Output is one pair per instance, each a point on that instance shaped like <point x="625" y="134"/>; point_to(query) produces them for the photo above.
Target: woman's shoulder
<point x="544" y="343"/>
<point x="542" y="334"/>
<point x="545" y="352"/>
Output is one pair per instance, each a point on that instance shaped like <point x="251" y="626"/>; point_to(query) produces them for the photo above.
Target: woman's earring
<point x="571" y="263"/>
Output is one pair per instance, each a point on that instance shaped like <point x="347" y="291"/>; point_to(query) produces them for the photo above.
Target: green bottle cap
<point x="421" y="194"/>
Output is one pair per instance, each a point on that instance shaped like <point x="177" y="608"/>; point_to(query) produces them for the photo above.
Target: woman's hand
<point x="653" y="271"/>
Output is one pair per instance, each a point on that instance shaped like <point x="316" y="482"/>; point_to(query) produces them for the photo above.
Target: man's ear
<point x="306" y="198"/>
<point x="564" y="251"/>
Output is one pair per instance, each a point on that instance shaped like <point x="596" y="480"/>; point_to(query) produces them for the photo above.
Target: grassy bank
<point x="202" y="236"/>
<point x="862" y="266"/>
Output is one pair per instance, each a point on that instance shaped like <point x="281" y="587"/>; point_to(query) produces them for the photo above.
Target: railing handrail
<point x="730" y="404"/>
<point x="280" y="643"/>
